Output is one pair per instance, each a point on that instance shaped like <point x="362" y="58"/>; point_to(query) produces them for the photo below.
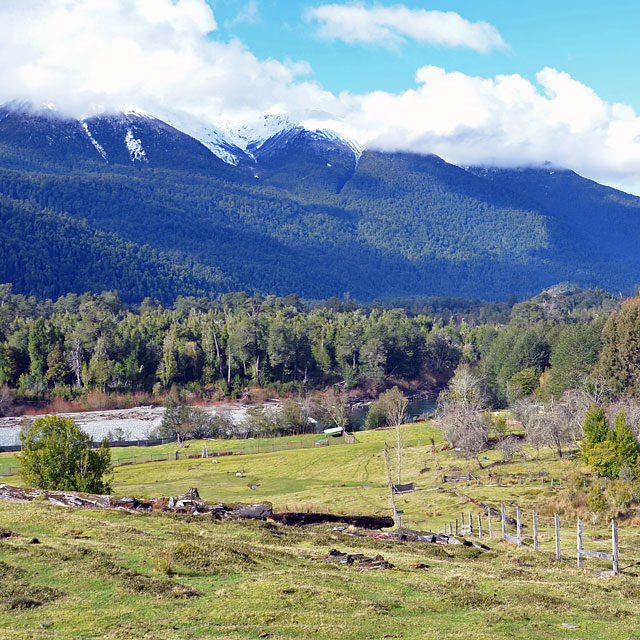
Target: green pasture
<point x="115" y="575"/>
<point x="101" y="574"/>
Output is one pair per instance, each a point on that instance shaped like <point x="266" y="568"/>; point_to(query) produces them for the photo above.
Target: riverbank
<point x="140" y="423"/>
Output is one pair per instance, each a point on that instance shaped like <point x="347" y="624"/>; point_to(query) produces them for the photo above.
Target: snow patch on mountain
<point x="134" y="112"/>
<point x="215" y="138"/>
<point x="334" y="130"/>
<point x="134" y="146"/>
<point x="98" y="147"/>
<point x="252" y="136"/>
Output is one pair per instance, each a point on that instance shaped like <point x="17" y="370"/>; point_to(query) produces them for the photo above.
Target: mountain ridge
<point x="306" y="213"/>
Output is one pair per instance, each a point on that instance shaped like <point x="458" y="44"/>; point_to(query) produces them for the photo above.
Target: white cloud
<point x="248" y="14"/>
<point x="88" y="55"/>
<point x="392" y="26"/>
<point x="507" y="120"/>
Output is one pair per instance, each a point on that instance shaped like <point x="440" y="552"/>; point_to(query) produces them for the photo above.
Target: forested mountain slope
<point x="131" y="203"/>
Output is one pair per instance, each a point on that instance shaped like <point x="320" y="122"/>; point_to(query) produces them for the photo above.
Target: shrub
<point x="56" y="455"/>
<point x="376" y="416"/>
<point x="596" y="502"/>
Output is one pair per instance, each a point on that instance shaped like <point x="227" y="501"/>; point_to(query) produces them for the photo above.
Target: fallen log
<point x="301" y="519"/>
<point x="249" y="511"/>
<point x="355" y="559"/>
<point x="408" y="535"/>
<point x="130" y="504"/>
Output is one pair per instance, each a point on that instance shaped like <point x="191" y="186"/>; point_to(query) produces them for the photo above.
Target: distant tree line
<point x="223" y="347"/>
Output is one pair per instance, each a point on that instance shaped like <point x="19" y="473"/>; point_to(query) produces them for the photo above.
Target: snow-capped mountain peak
<point x="248" y="145"/>
<point x="321" y="125"/>
<point x="252" y="135"/>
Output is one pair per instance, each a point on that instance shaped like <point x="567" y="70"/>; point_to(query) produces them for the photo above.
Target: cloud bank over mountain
<point x="87" y="56"/>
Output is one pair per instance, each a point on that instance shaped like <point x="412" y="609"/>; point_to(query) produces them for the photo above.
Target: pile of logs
<point x="189" y="503"/>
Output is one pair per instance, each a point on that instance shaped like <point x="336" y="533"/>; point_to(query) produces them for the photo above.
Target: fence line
<point x="185" y="454"/>
<point x="581" y="551"/>
<point x="496" y="480"/>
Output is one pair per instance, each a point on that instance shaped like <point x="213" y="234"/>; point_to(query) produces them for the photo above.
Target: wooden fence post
<point x="579" y="542"/>
<point x="504" y="523"/>
<point x="535" y="531"/>
<point x="557" y="527"/>
<point x="614" y="547"/>
<point x="519" y="524"/>
<point x="479" y="526"/>
<point x="470" y="524"/>
<point x="457" y="526"/>
<point x="490" y="527"/>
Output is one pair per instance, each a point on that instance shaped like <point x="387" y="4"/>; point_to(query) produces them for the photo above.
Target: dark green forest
<point x="400" y="225"/>
<point x="213" y="349"/>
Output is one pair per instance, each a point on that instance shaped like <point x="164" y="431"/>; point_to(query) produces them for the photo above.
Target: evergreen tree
<point x="625" y="443"/>
<point x="620" y="356"/>
<point x="596" y="426"/>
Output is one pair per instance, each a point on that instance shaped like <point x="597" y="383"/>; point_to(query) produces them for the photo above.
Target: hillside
<point x="173" y="576"/>
<point x="303" y="213"/>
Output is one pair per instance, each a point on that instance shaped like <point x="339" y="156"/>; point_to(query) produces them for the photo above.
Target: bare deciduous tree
<point x="334" y="406"/>
<point x="509" y="446"/>
<point x="395" y="407"/>
<point x="553" y="425"/>
<point x="597" y="388"/>
<point x="75" y="359"/>
<point x="530" y="414"/>
<point x="632" y="412"/>
<point x="460" y="409"/>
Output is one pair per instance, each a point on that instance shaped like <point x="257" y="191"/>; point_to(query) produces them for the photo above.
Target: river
<point x="140" y="422"/>
<point x="415" y="409"/>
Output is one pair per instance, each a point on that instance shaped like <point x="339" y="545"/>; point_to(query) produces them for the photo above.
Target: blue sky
<point x="597" y="43"/>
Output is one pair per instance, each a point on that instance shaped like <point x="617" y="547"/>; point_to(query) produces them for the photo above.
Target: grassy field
<point x="100" y="574"/>
<point x="138" y="455"/>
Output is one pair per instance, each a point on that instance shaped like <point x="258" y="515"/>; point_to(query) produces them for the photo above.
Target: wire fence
<point x="9" y="467"/>
<point x="561" y="539"/>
